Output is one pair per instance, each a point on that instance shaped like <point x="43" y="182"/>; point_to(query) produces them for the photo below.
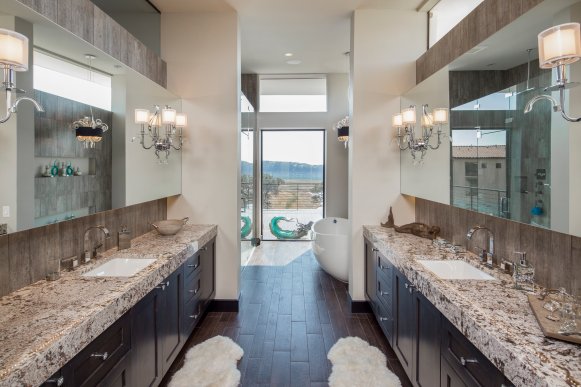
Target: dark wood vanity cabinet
<point x="430" y="349"/>
<point x="138" y="349"/>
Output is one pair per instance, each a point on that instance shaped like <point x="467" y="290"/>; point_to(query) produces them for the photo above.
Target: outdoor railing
<point x="487" y="200"/>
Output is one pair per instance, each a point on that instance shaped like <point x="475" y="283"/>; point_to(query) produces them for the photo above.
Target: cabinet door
<point x="370" y="273"/>
<point x="208" y="262"/>
<point x="171" y="337"/>
<point x="403" y="313"/>
<point x="449" y="377"/>
<point x="427" y="342"/>
<point x="120" y="375"/>
<point x="146" y="369"/>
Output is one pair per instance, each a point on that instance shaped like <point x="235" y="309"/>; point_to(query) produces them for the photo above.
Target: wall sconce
<point x="166" y="118"/>
<point x="407" y="121"/>
<point x="343" y="130"/>
<point x="558" y="46"/>
<point x="89" y="130"/>
<point x="13" y="57"/>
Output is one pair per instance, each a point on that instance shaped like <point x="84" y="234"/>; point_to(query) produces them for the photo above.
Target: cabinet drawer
<point x="384" y="290"/>
<point x="384" y="266"/>
<point x="192" y="264"/>
<point x="385" y="320"/>
<point x="468" y="362"/>
<point x="192" y="314"/>
<point x="192" y="286"/>
<point x="102" y="354"/>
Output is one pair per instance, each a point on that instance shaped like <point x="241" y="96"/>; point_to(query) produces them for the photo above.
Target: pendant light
<point x="89" y="130"/>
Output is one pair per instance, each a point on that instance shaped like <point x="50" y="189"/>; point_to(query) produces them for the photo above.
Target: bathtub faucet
<point x="334" y="220"/>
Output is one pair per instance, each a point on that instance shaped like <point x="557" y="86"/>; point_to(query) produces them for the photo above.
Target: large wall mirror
<point x="47" y="174"/>
<point x="497" y="159"/>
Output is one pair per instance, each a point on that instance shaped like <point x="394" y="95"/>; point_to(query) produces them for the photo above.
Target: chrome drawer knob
<point x="383" y="318"/>
<point x="194" y="291"/>
<point x="57" y="382"/>
<point x="194" y="266"/>
<point x="104" y="356"/>
<point x="194" y="316"/>
<point x="374" y="249"/>
<point x="384" y="293"/>
<point x="465" y="361"/>
<point x="383" y="267"/>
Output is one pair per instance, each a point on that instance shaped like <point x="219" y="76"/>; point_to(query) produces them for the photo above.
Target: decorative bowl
<point x="170" y="226"/>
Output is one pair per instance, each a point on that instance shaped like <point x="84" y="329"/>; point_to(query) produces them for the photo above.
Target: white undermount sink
<point x="455" y="270"/>
<point x="119" y="267"/>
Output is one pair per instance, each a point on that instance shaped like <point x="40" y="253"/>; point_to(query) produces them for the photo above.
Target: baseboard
<point x="224" y="306"/>
<point x="359" y="306"/>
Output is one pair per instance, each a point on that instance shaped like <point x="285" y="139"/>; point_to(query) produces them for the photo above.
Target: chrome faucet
<point x="487" y="255"/>
<point x="87" y="254"/>
<point x="554" y="103"/>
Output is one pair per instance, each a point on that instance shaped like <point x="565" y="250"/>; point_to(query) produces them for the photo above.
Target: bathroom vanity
<point x="110" y="331"/>
<point x="462" y="332"/>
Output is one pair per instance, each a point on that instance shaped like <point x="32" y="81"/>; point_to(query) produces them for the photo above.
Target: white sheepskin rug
<point x="210" y="364"/>
<point x="358" y="364"/>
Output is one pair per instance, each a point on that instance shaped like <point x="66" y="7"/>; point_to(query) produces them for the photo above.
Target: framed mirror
<point x="48" y="174"/>
<point x="499" y="160"/>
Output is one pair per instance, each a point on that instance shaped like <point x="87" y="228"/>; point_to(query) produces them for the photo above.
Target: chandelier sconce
<point x="89" y="130"/>
<point x="343" y="130"/>
<point x="164" y="126"/>
<point x="405" y="123"/>
<point x="13" y="57"/>
<point x="558" y="46"/>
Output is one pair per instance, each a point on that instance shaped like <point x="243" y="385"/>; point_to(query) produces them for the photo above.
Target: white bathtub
<point x="331" y="247"/>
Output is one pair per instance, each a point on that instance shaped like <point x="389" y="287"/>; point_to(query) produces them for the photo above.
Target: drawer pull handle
<point x="194" y="291"/>
<point x="194" y="266"/>
<point x="384" y="267"/>
<point x="465" y="361"/>
<point x="382" y="293"/>
<point x="104" y="356"/>
<point x="162" y="285"/>
<point x="409" y="287"/>
<point x="194" y="316"/>
<point x="374" y="249"/>
<point x="205" y="248"/>
<point x="383" y="318"/>
<point x="57" y="382"/>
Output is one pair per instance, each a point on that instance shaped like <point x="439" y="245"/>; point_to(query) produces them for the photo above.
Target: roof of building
<point x="480" y="152"/>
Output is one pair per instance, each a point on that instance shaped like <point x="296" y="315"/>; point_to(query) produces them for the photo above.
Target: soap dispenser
<point x="124" y="238"/>
<point x="524" y="273"/>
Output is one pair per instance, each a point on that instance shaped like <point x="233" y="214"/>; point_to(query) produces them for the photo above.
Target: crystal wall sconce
<point x="164" y="130"/>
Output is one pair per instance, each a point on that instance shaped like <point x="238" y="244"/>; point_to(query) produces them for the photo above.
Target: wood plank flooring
<point x="290" y="316"/>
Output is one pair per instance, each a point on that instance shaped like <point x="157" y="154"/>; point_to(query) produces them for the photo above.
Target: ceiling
<point x="316" y="32"/>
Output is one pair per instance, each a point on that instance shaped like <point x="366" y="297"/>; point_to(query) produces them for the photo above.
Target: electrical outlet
<point x="6" y="211"/>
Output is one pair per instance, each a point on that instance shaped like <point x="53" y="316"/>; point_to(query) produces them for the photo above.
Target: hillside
<point x="287" y="170"/>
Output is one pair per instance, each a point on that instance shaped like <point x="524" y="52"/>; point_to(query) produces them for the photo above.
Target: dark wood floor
<point x="290" y="316"/>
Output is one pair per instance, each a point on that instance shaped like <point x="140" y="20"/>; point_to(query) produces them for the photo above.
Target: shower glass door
<point x="293" y="182"/>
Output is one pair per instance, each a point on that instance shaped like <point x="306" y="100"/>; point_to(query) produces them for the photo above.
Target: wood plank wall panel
<point x="25" y="256"/>
<point x="555" y="256"/>
<point x="90" y="23"/>
<point x="486" y="19"/>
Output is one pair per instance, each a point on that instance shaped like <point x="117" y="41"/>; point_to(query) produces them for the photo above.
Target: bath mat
<point x="358" y="364"/>
<point x="210" y="364"/>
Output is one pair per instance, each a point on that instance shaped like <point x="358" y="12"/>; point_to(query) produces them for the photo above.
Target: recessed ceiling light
<point x="289" y="54"/>
<point x="293" y="62"/>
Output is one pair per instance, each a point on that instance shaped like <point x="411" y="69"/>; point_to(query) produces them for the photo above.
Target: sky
<point x="282" y="145"/>
<point x="468" y="137"/>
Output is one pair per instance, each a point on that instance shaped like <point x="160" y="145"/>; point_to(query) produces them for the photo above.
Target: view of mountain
<point x="287" y="170"/>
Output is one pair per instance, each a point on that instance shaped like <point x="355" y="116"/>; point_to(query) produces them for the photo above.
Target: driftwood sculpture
<point x="418" y="229"/>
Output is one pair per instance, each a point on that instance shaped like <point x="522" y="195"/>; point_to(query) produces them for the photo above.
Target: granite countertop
<point x="493" y="315"/>
<point x="44" y="325"/>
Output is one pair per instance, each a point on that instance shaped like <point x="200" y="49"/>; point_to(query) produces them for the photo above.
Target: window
<point x="69" y="80"/>
<point x="445" y="15"/>
<point x="498" y="165"/>
<point x="470" y="169"/>
<point x="483" y="165"/>
<point x="293" y="94"/>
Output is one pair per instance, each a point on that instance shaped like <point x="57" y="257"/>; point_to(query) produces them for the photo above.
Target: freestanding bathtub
<point x="330" y="246"/>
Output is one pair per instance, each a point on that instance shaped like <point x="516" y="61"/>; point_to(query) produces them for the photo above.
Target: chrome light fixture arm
<point x="9" y="84"/>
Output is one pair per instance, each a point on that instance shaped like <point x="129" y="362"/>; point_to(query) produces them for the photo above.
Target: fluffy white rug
<point x="210" y="364"/>
<point x="358" y="364"/>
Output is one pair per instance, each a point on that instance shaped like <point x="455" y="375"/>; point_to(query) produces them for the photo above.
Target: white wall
<point x="384" y="47"/>
<point x="430" y="179"/>
<point x="137" y="175"/>
<point x="202" y="51"/>
<point x="336" y="154"/>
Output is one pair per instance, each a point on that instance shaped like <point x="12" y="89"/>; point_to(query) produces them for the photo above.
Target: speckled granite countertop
<point x="44" y="325"/>
<point x="495" y="317"/>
